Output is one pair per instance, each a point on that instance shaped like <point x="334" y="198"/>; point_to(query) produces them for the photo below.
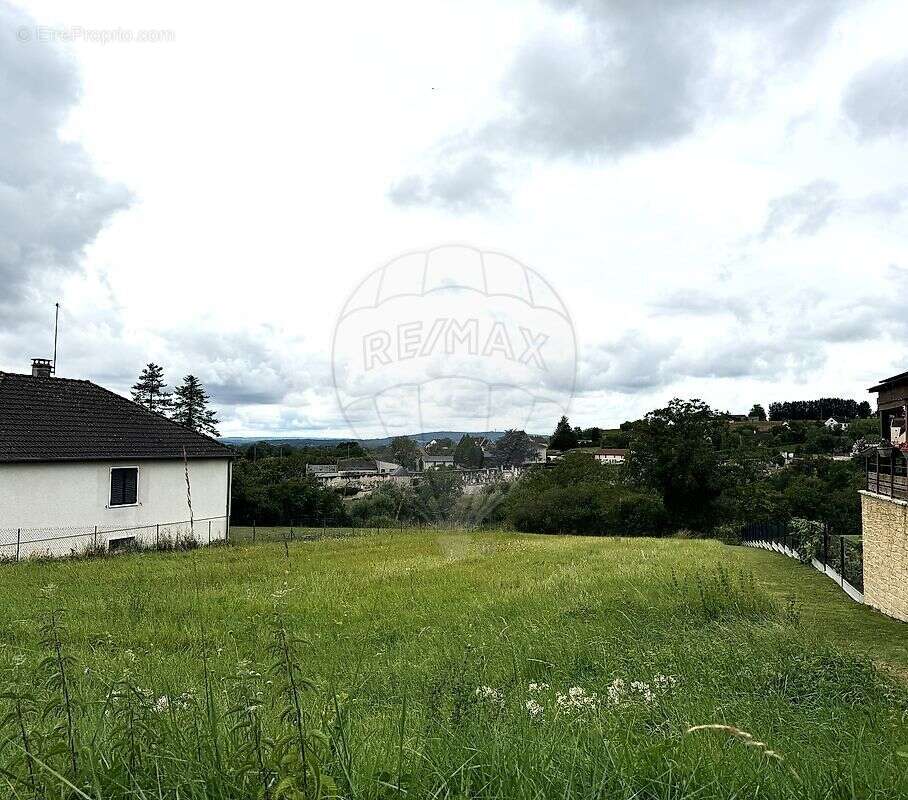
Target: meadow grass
<point x="400" y="665"/>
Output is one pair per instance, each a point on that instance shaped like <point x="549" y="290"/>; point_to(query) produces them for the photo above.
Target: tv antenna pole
<point x="56" y="326"/>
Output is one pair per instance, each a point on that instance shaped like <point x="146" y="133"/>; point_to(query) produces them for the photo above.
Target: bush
<point x="581" y="496"/>
<point x="809" y="537"/>
<point x="729" y="532"/>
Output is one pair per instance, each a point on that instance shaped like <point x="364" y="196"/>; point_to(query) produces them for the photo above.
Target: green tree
<point x="405" y="452"/>
<point x="151" y="389"/>
<point x="437" y="494"/>
<point x="468" y="453"/>
<point x="513" y="448"/>
<point x="758" y="412"/>
<point x="564" y="437"/>
<point x="674" y="451"/>
<point x="190" y="407"/>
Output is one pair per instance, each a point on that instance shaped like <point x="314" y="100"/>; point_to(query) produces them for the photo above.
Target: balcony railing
<point x="886" y="472"/>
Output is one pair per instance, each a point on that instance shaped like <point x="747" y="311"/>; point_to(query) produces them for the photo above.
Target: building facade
<point x="83" y="468"/>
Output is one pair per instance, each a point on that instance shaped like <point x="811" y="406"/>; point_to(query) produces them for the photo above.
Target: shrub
<point x="729" y="532"/>
<point x="809" y="537"/>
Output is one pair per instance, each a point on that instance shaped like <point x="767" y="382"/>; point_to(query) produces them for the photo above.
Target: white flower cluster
<point x="577" y="700"/>
<point x="621" y="692"/>
<point x="665" y="682"/>
<point x="534" y="709"/>
<point x="486" y="694"/>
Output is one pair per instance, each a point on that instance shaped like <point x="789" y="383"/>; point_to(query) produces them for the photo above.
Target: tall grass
<point x="447" y="665"/>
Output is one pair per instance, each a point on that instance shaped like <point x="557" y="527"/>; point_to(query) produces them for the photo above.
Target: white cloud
<point x="641" y="156"/>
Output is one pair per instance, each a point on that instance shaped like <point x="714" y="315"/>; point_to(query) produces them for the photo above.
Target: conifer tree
<point x="190" y="407"/>
<point x="151" y="390"/>
<point x="564" y="437"/>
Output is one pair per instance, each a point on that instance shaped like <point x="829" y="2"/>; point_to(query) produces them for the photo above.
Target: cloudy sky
<point x="716" y="189"/>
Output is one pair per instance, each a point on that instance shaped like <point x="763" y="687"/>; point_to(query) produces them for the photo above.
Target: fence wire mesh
<point x="18" y="544"/>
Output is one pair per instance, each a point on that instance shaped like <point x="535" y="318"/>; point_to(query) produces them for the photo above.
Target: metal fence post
<point x="209" y="533"/>
<point x="842" y="558"/>
<point x="825" y="545"/>
<point x="18" y="541"/>
<point x="157" y="536"/>
<point x="253" y="531"/>
<point x="96" y="537"/>
<point x="291" y="531"/>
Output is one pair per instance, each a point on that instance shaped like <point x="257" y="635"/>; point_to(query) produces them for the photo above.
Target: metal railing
<point x="18" y="544"/>
<point x="886" y="473"/>
<point x="843" y="554"/>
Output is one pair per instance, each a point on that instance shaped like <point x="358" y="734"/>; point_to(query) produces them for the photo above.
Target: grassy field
<point x="448" y="665"/>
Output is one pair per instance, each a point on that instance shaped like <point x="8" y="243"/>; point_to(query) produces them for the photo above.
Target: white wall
<point x="69" y="499"/>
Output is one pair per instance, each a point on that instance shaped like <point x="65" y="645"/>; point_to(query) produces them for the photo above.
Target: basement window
<point x="124" y="486"/>
<point x="122" y="544"/>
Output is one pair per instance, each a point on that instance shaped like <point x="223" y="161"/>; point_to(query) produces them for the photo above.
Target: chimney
<point x="41" y="368"/>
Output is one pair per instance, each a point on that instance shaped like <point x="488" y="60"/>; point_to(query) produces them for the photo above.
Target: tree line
<point x="824" y="408"/>
<point x="187" y="405"/>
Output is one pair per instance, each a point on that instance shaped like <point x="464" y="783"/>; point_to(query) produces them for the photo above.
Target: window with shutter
<point x="124" y="485"/>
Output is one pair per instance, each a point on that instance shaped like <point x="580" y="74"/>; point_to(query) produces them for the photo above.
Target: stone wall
<point x="885" y="531"/>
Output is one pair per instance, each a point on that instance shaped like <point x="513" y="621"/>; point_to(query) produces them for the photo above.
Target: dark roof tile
<point x="60" y="419"/>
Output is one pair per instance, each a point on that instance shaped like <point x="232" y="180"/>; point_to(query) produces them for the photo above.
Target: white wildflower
<point x="616" y="691"/>
<point x="665" y="682"/>
<point x="486" y="694"/>
<point x="535" y="688"/>
<point x="162" y="704"/>
<point x="534" y="709"/>
<point x="577" y="699"/>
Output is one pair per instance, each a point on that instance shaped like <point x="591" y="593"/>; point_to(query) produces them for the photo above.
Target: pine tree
<point x="564" y="438"/>
<point x="190" y="407"/>
<point x="150" y="389"/>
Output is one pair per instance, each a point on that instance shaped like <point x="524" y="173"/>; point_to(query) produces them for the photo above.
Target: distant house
<point x="350" y="467"/>
<point x="321" y="469"/>
<point x="90" y="468"/>
<point x="540" y="450"/>
<point x="834" y="424"/>
<point x="488" y="448"/>
<point x="610" y="455"/>
<point x="441" y="461"/>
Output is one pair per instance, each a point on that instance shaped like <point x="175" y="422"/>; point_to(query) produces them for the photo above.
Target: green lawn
<point x="404" y="628"/>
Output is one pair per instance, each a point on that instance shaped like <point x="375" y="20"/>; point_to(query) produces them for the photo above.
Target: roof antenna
<point x="53" y="369"/>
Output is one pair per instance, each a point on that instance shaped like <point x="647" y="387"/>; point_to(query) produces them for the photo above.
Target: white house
<point x="82" y="467"/>
<point x="834" y="424"/>
<point x="610" y="455"/>
<point x="436" y="461"/>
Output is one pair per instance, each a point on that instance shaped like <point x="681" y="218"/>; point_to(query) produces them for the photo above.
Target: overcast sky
<point x="717" y="189"/>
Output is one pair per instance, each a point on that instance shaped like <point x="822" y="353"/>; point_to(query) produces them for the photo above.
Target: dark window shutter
<point x="124" y="484"/>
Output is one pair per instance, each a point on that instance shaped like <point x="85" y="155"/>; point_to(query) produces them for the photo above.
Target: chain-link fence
<point x="320" y="527"/>
<point x="18" y="544"/>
